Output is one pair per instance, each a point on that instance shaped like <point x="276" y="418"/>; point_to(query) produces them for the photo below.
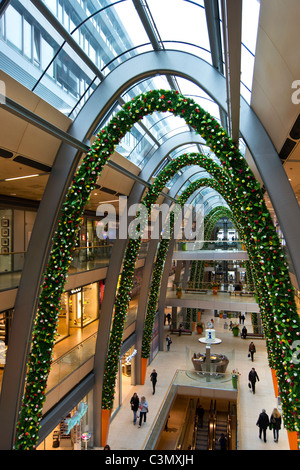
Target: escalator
<point x="187" y="431"/>
<point x="203" y="429"/>
<point x="215" y="423"/>
<point x="201" y="434"/>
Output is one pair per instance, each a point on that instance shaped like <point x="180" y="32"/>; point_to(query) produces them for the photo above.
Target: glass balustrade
<point x="84" y="259"/>
<point x="210" y="245"/>
<point x="71" y="361"/>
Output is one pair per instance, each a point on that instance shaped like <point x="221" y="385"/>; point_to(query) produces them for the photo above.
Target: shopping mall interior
<point x="150" y="222"/>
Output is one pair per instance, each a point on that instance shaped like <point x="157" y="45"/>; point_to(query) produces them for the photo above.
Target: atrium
<point x="149" y="185"/>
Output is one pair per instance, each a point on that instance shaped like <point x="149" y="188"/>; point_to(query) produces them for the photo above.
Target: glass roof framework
<point x="68" y="47"/>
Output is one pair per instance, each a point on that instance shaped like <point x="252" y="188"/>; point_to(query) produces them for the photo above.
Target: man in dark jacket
<point x="263" y="423"/>
<point x="252" y="378"/>
<point x="153" y="378"/>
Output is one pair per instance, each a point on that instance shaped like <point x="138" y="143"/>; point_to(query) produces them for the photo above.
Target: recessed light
<point x="20" y="177"/>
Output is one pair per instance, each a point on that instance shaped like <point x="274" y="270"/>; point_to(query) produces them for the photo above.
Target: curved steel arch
<point x="115" y="268"/>
<point x="143" y="66"/>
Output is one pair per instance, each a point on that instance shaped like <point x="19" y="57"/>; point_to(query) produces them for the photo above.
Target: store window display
<point x="78" y="308"/>
<point x="74" y="431"/>
<point x="83" y="305"/>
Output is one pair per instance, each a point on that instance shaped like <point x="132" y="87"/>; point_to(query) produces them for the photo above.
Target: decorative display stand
<point x="210" y="338"/>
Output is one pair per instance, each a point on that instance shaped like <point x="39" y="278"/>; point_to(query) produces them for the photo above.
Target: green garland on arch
<point x="262" y="240"/>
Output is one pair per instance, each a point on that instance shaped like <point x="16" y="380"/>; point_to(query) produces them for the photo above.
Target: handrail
<point x="212" y="425"/>
<point x="182" y="436"/>
<point x="229" y="434"/>
<point x="195" y="427"/>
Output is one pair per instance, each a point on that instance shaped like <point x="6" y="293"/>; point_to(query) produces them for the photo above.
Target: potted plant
<point x="215" y="288"/>
<point x="235" y="329"/>
<point x="200" y="327"/>
<point x="179" y="292"/>
<point x="234" y="377"/>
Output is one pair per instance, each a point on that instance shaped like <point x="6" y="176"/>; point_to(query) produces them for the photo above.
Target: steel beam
<point x="232" y="35"/>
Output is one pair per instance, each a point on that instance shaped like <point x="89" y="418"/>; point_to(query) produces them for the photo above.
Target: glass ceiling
<point x="35" y="52"/>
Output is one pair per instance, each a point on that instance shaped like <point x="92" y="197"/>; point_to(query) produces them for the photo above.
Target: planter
<point x="144" y="362"/>
<point x="179" y="294"/>
<point x="199" y="330"/>
<point x="235" y="331"/>
<point x="234" y="379"/>
<point x="221" y="315"/>
<point x="215" y="290"/>
<point x="293" y="440"/>
<point x="275" y="383"/>
<point x="105" y="422"/>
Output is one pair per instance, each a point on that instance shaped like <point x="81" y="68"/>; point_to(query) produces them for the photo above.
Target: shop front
<point x="125" y="377"/>
<point x="79" y="308"/>
<point x="74" y="431"/>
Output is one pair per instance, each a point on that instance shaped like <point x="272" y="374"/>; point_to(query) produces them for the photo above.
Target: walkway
<point x="124" y="435"/>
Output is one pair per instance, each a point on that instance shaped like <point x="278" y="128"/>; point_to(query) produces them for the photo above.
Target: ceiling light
<point x="19" y="177"/>
<point x="107" y="202"/>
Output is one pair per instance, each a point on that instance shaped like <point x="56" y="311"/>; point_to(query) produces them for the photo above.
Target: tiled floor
<point x="124" y="435"/>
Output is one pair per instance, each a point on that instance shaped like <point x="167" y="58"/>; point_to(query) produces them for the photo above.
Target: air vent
<point x="287" y="148"/>
<point x="5" y="153"/>
<point x="295" y="132"/>
<point x="32" y="163"/>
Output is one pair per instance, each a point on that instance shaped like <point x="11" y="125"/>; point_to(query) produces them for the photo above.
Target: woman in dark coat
<point x="275" y="423"/>
<point x="134" y="402"/>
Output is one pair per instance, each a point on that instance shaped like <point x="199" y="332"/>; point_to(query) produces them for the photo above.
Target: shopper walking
<point x="143" y="407"/>
<point x="223" y="442"/>
<point x="275" y="423"/>
<point x="263" y="424"/>
<point x="200" y="414"/>
<point x="134" y="403"/>
<point x="252" y="350"/>
<point x="153" y="378"/>
<point x="253" y="377"/>
<point x="169" y="342"/>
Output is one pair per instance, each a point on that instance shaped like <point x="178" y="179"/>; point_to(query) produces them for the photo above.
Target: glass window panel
<point x="250" y="19"/>
<point x="114" y="32"/>
<point x="51" y="4"/>
<point x="247" y="67"/>
<point x="27" y="35"/>
<point x="13" y="27"/>
<point x="178" y="20"/>
<point x="72" y="80"/>
<point x="36" y="46"/>
<point x="46" y="56"/>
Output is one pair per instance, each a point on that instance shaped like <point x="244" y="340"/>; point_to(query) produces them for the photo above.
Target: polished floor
<point x="124" y="435"/>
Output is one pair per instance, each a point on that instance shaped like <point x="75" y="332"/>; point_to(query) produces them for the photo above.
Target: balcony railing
<point x="84" y="259"/>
